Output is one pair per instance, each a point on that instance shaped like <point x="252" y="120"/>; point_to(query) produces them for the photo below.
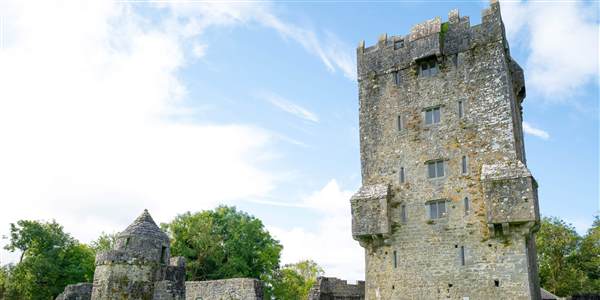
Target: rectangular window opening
<point x="436" y="169"/>
<point x="428" y="67"/>
<point x="498" y="230"/>
<point x="400" y="123"/>
<point x="403" y="213"/>
<point x="461" y="109"/>
<point x="467" y="205"/>
<point x="163" y="254"/>
<point x="397" y="78"/>
<point x="462" y="255"/>
<point x="437" y="209"/>
<point x="433" y="115"/>
<point x="464" y="165"/>
<point x="402" y="178"/>
<point x="395" y="259"/>
<point x="398" y="44"/>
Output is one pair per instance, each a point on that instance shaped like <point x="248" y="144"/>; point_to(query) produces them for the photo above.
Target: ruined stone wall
<point x="329" y="288"/>
<point x="227" y="289"/>
<point x="80" y="291"/>
<point x="420" y="258"/>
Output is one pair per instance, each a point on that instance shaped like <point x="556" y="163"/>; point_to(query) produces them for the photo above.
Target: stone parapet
<point x="237" y="288"/>
<point x="329" y="288"/>
<point x="430" y="38"/>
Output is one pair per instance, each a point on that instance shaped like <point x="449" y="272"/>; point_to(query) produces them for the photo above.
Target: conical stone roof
<point x="144" y="226"/>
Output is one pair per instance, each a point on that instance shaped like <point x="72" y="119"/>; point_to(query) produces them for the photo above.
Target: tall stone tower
<point x="447" y="207"/>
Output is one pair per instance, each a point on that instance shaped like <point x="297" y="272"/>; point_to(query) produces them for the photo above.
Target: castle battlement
<point x="432" y="38"/>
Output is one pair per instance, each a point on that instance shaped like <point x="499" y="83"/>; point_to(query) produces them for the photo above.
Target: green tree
<point x="104" y="242"/>
<point x="223" y="243"/>
<point x="294" y="281"/>
<point x="588" y="258"/>
<point x="50" y="260"/>
<point x="557" y="244"/>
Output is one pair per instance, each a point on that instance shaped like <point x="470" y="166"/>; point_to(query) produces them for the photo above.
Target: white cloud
<point x="290" y="107"/>
<point x="331" y="244"/>
<point x="199" y="50"/>
<point x="89" y="96"/>
<point x="88" y="108"/>
<point x="562" y="41"/>
<point x="530" y="129"/>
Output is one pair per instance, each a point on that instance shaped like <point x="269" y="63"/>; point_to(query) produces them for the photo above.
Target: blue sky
<point x="112" y="107"/>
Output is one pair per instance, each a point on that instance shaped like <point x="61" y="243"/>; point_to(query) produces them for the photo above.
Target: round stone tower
<point x="138" y="260"/>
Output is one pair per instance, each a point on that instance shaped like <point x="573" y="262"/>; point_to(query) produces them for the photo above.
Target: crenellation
<point x="431" y="38"/>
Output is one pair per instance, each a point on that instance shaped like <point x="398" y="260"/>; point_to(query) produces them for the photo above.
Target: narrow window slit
<point x="402" y="175"/>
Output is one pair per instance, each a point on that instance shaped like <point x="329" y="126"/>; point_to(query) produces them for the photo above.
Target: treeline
<point x="217" y="244"/>
<point x="227" y="243"/>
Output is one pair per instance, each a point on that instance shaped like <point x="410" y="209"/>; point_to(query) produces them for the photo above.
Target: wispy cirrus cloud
<point x="290" y="107"/>
<point x="336" y="55"/>
<point x="531" y="130"/>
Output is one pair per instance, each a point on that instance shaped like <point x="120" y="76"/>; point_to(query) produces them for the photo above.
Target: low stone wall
<point x="227" y="289"/>
<point x="329" y="288"/>
<point x="80" y="291"/>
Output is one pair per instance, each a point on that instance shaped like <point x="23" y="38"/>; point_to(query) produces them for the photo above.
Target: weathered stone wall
<point x="80" y="291"/>
<point x="124" y="281"/>
<point x="228" y="289"/>
<point x="421" y="258"/>
<point x="328" y="288"/>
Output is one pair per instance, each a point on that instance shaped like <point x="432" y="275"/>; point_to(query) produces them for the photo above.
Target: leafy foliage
<point x="588" y="259"/>
<point x="50" y="260"/>
<point x="568" y="263"/>
<point x="104" y="242"/>
<point x="223" y="243"/>
<point x="294" y="281"/>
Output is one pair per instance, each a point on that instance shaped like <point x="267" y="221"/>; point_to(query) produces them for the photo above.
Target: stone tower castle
<point x="447" y="207"/>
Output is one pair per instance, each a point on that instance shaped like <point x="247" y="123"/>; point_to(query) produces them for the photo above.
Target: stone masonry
<point x="140" y="268"/>
<point x="227" y="289"/>
<point x="329" y="288"/>
<point x="447" y="207"/>
<point x="80" y="291"/>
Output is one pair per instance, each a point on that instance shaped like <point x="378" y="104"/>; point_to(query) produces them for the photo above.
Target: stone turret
<point x="139" y="267"/>
<point x="144" y="240"/>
